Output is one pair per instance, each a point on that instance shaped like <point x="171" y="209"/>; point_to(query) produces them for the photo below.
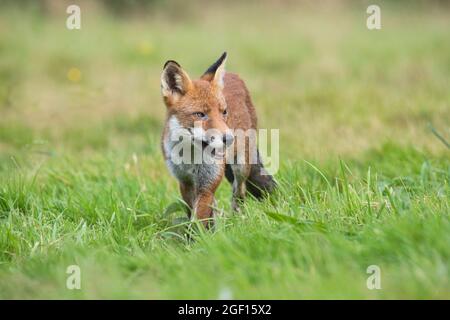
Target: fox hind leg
<point x="240" y="174"/>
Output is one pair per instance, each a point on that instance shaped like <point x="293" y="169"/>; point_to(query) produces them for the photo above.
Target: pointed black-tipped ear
<point x="216" y="71"/>
<point x="175" y="82"/>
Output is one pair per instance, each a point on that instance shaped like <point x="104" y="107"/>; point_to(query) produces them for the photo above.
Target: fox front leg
<point x="203" y="208"/>
<point x="188" y="195"/>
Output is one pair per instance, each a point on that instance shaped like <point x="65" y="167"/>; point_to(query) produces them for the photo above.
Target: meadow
<point x="363" y="180"/>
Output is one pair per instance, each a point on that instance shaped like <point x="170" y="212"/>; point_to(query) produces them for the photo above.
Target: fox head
<point x="198" y="106"/>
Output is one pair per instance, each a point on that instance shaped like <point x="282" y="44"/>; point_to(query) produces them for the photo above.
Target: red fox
<point x="219" y="102"/>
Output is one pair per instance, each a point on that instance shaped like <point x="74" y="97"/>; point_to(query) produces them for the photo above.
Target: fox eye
<point x="200" y="115"/>
<point x="225" y="112"/>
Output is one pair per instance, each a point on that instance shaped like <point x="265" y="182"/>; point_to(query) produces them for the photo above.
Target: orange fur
<point x="207" y="98"/>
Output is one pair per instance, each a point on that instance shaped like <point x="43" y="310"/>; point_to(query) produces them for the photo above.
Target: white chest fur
<point x="200" y="174"/>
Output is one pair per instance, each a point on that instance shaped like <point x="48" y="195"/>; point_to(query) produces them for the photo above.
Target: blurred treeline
<point x="124" y="7"/>
<point x="115" y="6"/>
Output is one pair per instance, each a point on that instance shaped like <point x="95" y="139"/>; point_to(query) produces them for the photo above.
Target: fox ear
<point x="175" y="82"/>
<point x="216" y="72"/>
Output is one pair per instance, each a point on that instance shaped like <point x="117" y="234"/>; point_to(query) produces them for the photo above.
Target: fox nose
<point x="228" y="139"/>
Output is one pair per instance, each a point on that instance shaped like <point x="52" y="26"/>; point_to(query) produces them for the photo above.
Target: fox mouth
<point x="218" y="153"/>
<point x="205" y="144"/>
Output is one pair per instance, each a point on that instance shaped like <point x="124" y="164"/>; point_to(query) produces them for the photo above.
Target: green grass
<point x="363" y="180"/>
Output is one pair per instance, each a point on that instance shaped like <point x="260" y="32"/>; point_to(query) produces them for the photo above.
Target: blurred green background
<point x="314" y="70"/>
<point x="82" y="177"/>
